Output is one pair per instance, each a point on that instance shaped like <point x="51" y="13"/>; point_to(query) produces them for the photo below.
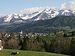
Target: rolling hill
<point x="8" y="52"/>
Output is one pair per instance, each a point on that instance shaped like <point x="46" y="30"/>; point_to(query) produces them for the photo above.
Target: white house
<point x="1" y="47"/>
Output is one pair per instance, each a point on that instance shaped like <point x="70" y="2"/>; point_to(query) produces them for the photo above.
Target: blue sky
<point x="9" y="6"/>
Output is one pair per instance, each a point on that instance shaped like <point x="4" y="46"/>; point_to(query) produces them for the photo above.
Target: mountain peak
<point x="37" y="13"/>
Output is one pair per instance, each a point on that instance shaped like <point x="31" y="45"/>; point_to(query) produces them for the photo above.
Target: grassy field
<point x="7" y="52"/>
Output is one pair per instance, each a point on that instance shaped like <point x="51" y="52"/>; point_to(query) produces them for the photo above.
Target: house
<point x="1" y="47"/>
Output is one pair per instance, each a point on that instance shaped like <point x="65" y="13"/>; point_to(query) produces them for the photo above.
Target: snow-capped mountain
<point x="66" y="12"/>
<point x="36" y="13"/>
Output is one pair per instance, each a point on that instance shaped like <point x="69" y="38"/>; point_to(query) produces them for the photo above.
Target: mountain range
<point x="38" y="19"/>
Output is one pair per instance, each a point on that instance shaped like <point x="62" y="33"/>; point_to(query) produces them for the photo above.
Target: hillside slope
<point x="49" y="25"/>
<point x="28" y="53"/>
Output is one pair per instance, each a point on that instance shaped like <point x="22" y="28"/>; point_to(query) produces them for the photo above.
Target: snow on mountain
<point x="37" y="13"/>
<point x="66" y="12"/>
<point x="32" y="10"/>
<point x="8" y="18"/>
<point x="45" y="13"/>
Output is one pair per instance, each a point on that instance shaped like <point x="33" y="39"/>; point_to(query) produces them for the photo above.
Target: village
<point x="44" y="42"/>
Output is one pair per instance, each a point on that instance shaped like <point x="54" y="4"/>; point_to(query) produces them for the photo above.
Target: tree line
<point x="59" y="42"/>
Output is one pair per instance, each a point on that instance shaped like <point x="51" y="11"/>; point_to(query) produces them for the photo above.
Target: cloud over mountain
<point x="68" y="5"/>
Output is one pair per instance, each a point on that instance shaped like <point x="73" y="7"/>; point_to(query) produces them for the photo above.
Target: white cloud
<point x="63" y="6"/>
<point x="69" y="5"/>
